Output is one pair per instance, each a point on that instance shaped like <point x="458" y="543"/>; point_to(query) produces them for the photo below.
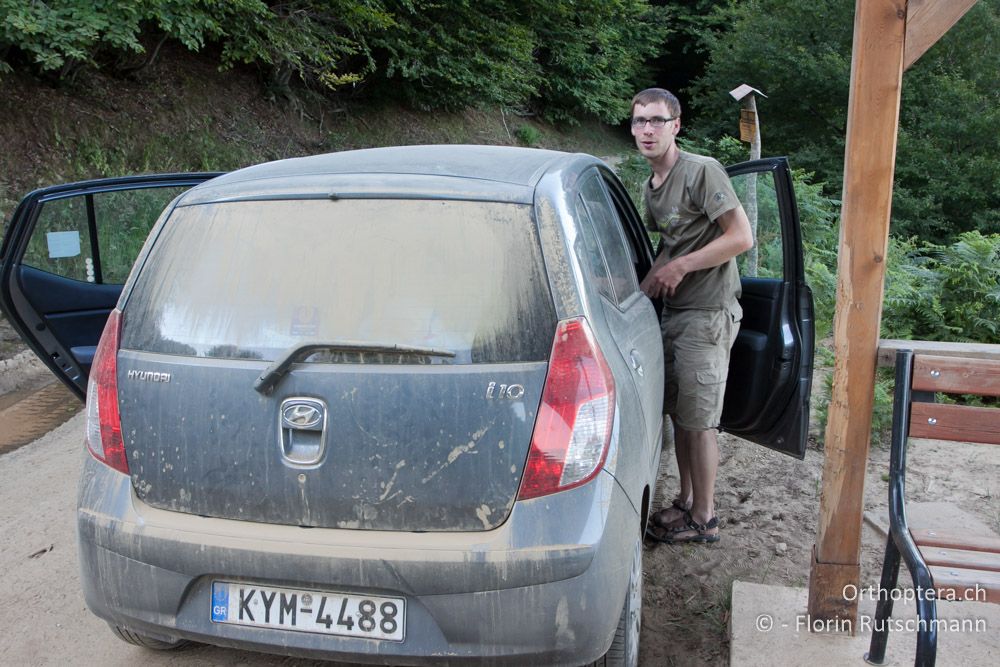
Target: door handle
<point x="636" y="360"/>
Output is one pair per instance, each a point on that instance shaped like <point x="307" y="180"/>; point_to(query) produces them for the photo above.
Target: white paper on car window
<point x="63" y="244"/>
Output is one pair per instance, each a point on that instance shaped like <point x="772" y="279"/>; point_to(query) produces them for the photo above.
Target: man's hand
<point x="662" y="280"/>
<point x="664" y="277"/>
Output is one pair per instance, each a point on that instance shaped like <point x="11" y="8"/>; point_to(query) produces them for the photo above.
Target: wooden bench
<point x="943" y="563"/>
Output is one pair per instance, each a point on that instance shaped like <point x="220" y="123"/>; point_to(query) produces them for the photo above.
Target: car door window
<point x="589" y="253"/>
<point x="96" y="237"/>
<point x="61" y="241"/>
<point x="618" y="256"/>
<point x="759" y="197"/>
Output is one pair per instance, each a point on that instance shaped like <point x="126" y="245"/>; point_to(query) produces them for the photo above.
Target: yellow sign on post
<point x="748" y="125"/>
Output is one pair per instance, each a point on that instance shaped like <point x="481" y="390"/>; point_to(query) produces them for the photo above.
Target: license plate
<point x="367" y="616"/>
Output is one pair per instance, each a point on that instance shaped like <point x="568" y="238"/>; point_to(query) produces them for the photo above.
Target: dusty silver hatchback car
<point x="398" y="406"/>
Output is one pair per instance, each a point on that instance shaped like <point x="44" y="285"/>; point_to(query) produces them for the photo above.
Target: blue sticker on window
<point x="220" y="602"/>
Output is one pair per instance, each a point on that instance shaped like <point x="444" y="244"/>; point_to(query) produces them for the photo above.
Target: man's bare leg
<point x="702" y="449"/>
<point x="682" y="450"/>
<point x="671" y="517"/>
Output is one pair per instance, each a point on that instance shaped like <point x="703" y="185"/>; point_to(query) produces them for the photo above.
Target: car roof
<point x="495" y="173"/>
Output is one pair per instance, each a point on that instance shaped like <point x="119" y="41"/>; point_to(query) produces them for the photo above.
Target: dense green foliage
<point x="561" y="58"/>
<point x="320" y="40"/>
<point x="799" y="54"/>
<point x="944" y="292"/>
<point x="593" y="54"/>
<point x="447" y="55"/>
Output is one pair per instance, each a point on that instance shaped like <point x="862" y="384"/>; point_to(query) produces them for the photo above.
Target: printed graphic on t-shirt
<point x="674" y="218"/>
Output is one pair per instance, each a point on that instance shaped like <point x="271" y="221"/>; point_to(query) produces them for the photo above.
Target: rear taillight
<point x="104" y="424"/>
<point x="573" y="427"/>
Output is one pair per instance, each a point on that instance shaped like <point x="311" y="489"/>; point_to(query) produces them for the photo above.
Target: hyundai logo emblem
<point x="303" y="414"/>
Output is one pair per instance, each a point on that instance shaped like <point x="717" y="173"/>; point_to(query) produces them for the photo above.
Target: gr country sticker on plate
<point x="349" y="615"/>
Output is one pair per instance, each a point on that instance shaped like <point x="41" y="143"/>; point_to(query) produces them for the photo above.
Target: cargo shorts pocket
<point x="701" y="409"/>
<point x="709" y="376"/>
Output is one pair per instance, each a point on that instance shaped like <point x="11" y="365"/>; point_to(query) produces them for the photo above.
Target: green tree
<point x="318" y="40"/>
<point x="450" y="55"/>
<point x="799" y="54"/>
<point x="593" y="54"/>
<point x="564" y="59"/>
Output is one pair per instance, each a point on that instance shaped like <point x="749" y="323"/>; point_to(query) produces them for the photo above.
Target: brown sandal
<point x="659" y="530"/>
<point x="676" y="504"/>
<point x="700" y="530"/>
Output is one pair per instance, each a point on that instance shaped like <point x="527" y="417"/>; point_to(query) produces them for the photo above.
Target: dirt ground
<point x="10" y="344"/>
<point x="768" y="505"/>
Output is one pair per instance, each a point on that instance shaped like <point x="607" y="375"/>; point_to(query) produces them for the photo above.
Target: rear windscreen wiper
<point x="269" y="379"/>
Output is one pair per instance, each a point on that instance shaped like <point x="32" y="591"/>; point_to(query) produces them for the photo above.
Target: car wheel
<point x="624" y="651"/>
<point x="144" y="641"/>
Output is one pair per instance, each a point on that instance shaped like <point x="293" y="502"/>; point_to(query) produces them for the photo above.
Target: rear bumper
<point x="546" y="587"/>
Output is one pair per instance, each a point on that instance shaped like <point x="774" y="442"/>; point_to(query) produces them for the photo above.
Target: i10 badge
<point x="512" y="391"/>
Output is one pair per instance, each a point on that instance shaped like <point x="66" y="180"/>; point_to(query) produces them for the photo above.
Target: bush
<point x="592" y="54"/>
<point x="320" y="41"/>
<point x="527" y="135"/>
<point x="563" y="59"/>
<point x="945" y="293"/>
<point x="934" y="292"/>
<point x="457" y="54"/>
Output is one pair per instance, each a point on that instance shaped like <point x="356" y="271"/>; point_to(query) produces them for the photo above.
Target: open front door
<point x="770" y="372"/>
<point x="66" y="254"/>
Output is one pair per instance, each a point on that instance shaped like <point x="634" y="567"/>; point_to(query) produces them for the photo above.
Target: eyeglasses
<point x="656" y="121"/>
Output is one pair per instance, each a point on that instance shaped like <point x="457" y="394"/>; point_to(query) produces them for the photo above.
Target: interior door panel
<point x="64" y="259"/>
<point x="770" y="369"/>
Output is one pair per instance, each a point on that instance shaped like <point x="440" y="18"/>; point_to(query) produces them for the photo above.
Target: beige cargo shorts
<point x="696" y="345"/>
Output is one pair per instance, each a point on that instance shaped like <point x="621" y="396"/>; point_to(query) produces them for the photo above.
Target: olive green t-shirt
<point x="684" y="209"/>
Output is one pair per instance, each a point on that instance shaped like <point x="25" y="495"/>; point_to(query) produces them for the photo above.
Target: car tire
<point x="137" y="639"/>
<point x="624" y="651"/>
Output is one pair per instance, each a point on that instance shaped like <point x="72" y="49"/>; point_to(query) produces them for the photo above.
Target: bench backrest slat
<point x="956" y="375"/>
<point x="941" y="421"/>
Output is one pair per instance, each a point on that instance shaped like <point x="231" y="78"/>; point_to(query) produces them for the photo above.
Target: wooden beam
<point x="887" y="350"/>
<point x="869" y="162"/>
<point x="927" y="21"/>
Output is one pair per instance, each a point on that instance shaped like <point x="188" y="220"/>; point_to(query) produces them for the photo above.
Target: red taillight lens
<point x="104" y="424"/>
<point x="573" y="427"/>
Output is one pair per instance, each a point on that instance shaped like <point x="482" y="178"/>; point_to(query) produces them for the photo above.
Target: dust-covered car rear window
<point x="254" y="279"/>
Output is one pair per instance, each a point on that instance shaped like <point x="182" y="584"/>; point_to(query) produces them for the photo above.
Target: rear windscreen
<point x="255" y="279"/>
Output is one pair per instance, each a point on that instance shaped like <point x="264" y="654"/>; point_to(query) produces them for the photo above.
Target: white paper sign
<point x="63" y="244"/>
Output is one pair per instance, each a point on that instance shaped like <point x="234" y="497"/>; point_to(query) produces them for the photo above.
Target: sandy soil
<point x="768" y="505"/>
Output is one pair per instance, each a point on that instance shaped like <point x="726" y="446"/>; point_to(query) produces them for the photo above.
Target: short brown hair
<point x="653" y="95"/>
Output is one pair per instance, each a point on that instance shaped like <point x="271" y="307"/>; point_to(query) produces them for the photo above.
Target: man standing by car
<point x="691" y="203"/>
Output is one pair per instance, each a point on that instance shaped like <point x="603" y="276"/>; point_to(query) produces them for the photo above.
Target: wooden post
<point x="750" y="132"/>
<point x="869" y="162"/>
<point x="750" y="104"/>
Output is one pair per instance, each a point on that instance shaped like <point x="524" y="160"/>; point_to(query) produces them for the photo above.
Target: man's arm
<point x="664" y="276"/>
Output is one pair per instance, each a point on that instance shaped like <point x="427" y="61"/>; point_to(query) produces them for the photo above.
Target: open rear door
<point x="66" y="254"/>
<point x="770" y="372"/>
